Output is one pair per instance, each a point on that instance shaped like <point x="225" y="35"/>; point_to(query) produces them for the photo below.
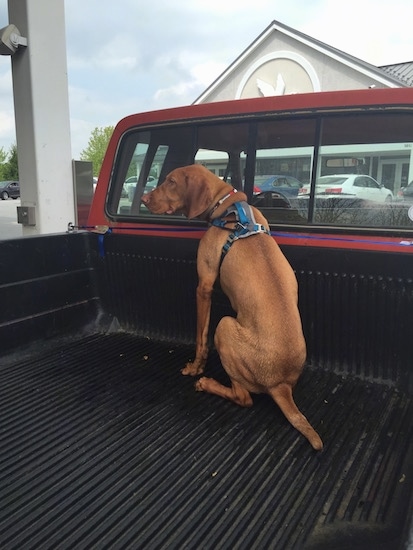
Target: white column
<point x="41" y="107"/>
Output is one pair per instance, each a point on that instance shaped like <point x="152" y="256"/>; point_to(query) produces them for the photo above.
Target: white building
<point x="282" y="60"/>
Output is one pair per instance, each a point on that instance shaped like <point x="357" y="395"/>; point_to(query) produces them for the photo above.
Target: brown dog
<point x="263" y="350"/>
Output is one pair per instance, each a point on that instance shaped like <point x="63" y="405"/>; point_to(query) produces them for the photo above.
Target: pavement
<point x="9" y="228"/>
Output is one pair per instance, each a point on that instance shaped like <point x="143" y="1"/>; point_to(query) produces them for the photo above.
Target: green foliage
<point x="3" y="155"/>
<point x="96" y="148"/>
<point x="9" y="169"/>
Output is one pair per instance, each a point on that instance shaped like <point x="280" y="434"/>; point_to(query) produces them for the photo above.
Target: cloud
<point x="6" y="125"/>
<point x="119" y="54"/>
<point x="376" y="32"/>
<point x="138" y="56"/>
<point x="195" y="78"/>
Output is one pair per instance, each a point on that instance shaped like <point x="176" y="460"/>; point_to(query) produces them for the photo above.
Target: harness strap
<point x="232" y="192"/>
<point x="245" y="225"/>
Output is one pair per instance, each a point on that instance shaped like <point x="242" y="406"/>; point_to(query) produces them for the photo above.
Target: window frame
<point x="253" y="122"/>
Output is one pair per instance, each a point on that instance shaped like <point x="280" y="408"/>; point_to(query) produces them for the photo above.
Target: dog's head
<point x="189" y="190"/>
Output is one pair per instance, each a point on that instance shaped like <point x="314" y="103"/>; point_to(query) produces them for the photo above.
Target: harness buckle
<point x="240" y="228"/>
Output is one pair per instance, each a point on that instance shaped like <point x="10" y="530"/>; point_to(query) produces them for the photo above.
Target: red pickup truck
<point x="104" y="444"/>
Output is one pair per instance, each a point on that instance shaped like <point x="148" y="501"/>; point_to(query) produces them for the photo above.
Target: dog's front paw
<point x="191" y="369"/>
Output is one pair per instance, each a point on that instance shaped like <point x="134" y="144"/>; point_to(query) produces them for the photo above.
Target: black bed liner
<point x="104" y="444"/>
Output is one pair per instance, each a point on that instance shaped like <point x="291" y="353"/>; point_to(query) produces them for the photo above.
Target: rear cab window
<point x="338" y="170"/>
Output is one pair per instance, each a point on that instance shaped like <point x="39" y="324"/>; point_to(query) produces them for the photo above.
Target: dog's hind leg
<point x="236" y="393"/>
<point x="283" y="396"/>
<point x="226" y="336"/>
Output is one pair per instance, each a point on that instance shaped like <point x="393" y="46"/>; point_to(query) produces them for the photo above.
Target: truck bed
<point x="104" y="444"/>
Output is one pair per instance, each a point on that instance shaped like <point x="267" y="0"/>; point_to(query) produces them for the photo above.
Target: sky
<point x="132" y="56"/>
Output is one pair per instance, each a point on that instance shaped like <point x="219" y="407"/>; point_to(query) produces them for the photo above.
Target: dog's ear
<point x="199" y="193"/>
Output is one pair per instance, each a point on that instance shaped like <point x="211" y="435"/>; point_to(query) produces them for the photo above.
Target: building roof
<point x="389" y="75"/>
<point x="401" y="71"/>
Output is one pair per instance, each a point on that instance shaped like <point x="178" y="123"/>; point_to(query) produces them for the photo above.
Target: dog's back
<point x="263" y="291"/>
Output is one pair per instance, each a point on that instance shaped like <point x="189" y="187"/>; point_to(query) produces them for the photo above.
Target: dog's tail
<point x="283" y="396"/>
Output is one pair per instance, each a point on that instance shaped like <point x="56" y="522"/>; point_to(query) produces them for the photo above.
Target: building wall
<point x="282" y="64"/>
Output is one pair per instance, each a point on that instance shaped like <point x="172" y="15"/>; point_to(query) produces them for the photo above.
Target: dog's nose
<point x="145" y="198"/>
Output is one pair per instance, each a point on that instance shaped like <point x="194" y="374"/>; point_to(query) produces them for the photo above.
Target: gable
<point x="283" y="61"/>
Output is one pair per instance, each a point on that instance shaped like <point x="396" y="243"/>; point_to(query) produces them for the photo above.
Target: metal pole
<point x="41" y="105"/>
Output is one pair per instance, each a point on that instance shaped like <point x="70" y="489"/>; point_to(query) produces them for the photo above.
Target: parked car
<point x="9" y="189"/>
<point x="130" y="185"/>
<point x="406" y="193"/>
<point x="284" y="185"/>
<point x="349" y="186"/>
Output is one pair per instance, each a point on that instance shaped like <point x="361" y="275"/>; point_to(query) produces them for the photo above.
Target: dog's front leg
<point x="203" y="313"/>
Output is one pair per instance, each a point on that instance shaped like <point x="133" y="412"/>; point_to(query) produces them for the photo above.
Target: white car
<point x="349" y="186"/>
<point x="130" y="185"/>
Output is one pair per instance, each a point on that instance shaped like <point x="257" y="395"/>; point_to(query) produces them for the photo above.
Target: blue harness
<point x="245" y="225"/>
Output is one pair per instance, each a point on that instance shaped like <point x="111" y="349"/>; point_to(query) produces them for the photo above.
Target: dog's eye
<point x="171" y="183"/>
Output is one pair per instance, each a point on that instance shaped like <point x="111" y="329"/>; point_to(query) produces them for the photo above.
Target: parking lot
<point x="9" y="228"/>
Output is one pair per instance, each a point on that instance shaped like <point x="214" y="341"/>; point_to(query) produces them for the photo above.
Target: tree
<point x="3" y="158"/>
<point x="10" y="169"/>
<point x="3" y="155"/>
<point x="96" y="148"/>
